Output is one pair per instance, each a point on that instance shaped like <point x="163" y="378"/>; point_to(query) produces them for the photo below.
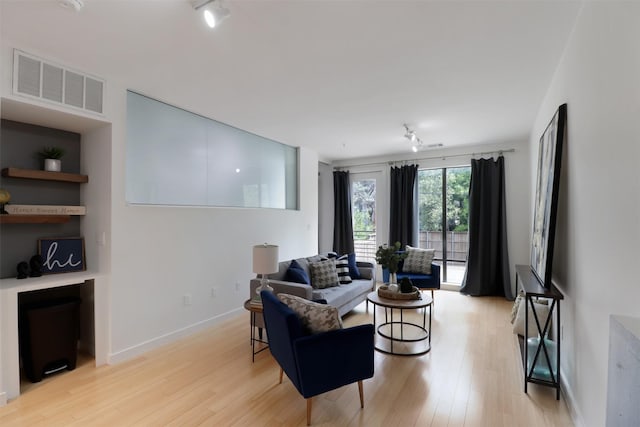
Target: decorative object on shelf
<point x="546" y="201"/>
<point x="23" y="270"/>
<point x="52" y="156"/>
<point x="62" y="255"/>
<point x="385" y="292"/>
<point x="46" y="210"/>
<point x="5" y="196"/>
<point x="36" y="266"/>
<point x="389" y="257"/>
<point x="265" y="261"/>
<point x="406" y="286"/>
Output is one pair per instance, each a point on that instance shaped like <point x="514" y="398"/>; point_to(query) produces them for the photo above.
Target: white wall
<point x="325" y="208"/>
<point x="162" y="253"/>
<point x="598" y="227"/>
<point x="517" y="166"/>
<point x="156" y="255"/>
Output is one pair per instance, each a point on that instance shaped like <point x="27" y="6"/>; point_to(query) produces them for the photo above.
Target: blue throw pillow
<point x="295" y="273"/>
<point x="354" y="271"/>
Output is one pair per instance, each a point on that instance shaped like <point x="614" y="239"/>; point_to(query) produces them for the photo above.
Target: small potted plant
<point x="389" y="257"/>
<point x="52" y="156"/>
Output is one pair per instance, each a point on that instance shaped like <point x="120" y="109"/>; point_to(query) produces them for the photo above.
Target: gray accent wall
<point x="19" y="145"/>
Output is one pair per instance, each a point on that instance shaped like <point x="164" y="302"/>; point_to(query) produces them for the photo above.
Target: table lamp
<point x="265" y="261"/>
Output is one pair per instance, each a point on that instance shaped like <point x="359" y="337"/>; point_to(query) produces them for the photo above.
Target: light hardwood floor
<point x="471" y="377"/>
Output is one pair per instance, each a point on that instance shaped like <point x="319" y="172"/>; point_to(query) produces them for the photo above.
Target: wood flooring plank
<point x="471" y="377"/>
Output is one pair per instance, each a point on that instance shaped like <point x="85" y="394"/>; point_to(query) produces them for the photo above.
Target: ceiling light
<point x="72" y="4"/>
<point x="411" y="136"/>
<point x="213" y="11"/>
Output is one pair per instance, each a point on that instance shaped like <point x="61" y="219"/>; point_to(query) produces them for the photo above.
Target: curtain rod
<point x="393" y="162"/>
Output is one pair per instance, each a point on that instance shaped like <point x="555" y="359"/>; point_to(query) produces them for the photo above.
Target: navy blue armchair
<point x="320" y="362"/>
<point x="419" y="280"/>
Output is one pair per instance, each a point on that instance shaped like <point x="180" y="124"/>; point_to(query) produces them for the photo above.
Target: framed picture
<point x="546" y="201"/>
<point x="62" y="255"/>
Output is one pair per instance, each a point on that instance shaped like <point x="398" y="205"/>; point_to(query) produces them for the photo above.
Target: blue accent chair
<point x="320" y="362"/>
<point x="419" y="280"/>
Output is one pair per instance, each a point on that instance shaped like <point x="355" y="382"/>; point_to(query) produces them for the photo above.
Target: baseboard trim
<point x="137" y="350"/>
<point x="3" y="399"/>
<point x="570" y="401"/>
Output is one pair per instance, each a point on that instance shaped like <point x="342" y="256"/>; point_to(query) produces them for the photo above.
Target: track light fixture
<point x="411" y="136"/>
<point x="213" y="11"/>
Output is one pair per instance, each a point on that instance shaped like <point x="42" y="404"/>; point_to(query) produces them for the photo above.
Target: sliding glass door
<point x="443" y="209"/>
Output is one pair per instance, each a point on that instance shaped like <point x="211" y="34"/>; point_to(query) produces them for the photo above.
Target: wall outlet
<point x="237" y="286"/>
<point x="214" y="292"/>
<point x="186" y="299"/>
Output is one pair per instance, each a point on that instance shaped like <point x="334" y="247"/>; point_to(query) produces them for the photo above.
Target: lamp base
<point x="264" y="286"/>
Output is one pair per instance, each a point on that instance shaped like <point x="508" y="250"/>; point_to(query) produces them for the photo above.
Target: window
<point x="363" y="212"/>
<point x="175" y="157"/>
<point x="443" y="209"/>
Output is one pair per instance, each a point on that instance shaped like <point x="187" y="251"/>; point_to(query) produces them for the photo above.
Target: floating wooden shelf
<point x="34" y="219"/>
<point x="45" y="175"/>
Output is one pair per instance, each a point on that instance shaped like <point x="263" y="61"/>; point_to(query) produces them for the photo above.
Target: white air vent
<point x="36" y="78"/>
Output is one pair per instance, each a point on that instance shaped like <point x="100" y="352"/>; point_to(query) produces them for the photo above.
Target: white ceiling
<point x="340" y="77"/>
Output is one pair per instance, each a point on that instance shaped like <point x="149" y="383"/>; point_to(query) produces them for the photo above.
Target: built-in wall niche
<point x="20" y="144"/>
<point x="44" y="299"/>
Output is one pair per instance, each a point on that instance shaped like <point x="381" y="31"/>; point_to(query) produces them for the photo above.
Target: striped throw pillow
<point x="342" y="268"/>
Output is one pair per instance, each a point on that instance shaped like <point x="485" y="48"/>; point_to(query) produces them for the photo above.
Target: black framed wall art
<point x="546" y="200"/>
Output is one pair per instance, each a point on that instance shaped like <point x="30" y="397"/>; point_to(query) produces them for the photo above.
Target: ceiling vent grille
<point x="36" y="78"/>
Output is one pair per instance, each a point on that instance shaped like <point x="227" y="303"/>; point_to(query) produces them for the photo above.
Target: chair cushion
<point x="418" y="260"/>
<point x="314" y="317"/>
<point x="295" y="273"/>
<point x="342" y="268"/>
<point x="323" y="274"/>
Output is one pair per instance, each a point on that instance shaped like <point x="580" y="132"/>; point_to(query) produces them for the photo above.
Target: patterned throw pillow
<point x="342" y="268"/>
<point x="418" y="260"/>
<point x="323" y="274"/>
<point x="314" y="317"/>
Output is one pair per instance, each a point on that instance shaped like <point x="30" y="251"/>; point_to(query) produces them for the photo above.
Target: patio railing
<point x="457" y="244"/>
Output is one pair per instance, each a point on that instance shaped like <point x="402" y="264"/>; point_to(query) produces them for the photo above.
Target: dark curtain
<point x="402" y="199"/>
<point x="488" y="263"/>
<point x="342" y="224"/>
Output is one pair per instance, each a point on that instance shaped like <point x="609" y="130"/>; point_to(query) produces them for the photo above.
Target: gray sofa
<point x="343" y="297"/>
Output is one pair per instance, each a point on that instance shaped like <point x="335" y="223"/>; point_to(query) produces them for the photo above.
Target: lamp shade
<point x="265" y="259"/>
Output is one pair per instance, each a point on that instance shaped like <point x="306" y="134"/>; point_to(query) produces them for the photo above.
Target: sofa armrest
<point x="332" y="359"/>
<point x="282" y="287"/>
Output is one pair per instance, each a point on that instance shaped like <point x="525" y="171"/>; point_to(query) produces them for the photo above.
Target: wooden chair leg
<point x="309" y="411"/>
<point x="361" y="394"/>
<point x="281" y="372"/>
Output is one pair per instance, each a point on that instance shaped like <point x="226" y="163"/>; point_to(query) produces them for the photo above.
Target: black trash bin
<point x="49" y="333"/>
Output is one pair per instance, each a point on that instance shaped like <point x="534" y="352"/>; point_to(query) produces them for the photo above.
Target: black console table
<point x="541" y="355"/>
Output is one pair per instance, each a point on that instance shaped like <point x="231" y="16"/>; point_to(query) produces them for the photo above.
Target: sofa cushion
<point x="342" y="294"/>
<point x="418" y="260"/>
<point x="323" y="274"/>
<point x="314" y="317"/>
<point x="354" y="271"/>
<point x="295" y="273"/>
<point x="342" y="268"/>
